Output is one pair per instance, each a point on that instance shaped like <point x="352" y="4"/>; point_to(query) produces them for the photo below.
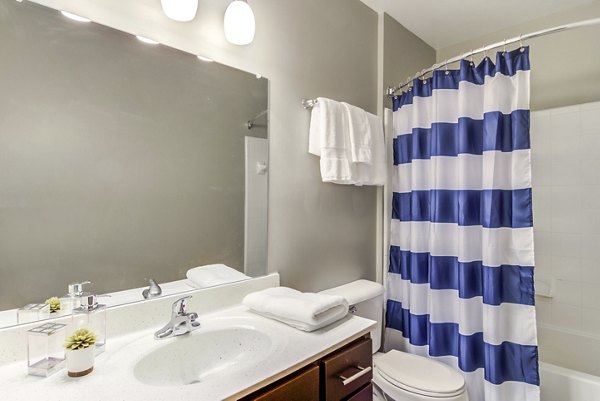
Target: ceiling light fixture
<point x="239" y="23"/>
<point x="180" y="10"/>
<point x="146" y="40"/>
<point x="75" y="17"/>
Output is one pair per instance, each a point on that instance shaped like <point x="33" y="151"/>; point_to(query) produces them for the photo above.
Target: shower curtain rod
<point x="580" y="24"/>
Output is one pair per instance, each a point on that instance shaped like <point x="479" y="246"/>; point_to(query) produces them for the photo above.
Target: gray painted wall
<point x="404" y="53"/>
<point x="320" y="235"/>
<point x="565" y="66"/>
<point x="118" y="161"/>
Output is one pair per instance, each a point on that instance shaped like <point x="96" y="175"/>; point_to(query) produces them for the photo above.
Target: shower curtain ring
<point x="446" y="66"/>
<point x="472" y="63"/>
<point x="521" y="42"/>
<point x="504" y="52"/>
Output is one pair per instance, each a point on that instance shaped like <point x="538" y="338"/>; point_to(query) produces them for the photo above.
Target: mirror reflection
<point x="122" y="162"/>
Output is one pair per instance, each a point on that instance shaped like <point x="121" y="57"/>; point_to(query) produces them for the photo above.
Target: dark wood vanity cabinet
<point x="302" y="385"/>
<point x="343" y="375"/>
<point x="346" y="371"/>
<point x="366" y="394"/>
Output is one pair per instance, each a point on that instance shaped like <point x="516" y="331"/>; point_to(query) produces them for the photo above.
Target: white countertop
<point x="113" y="376"/>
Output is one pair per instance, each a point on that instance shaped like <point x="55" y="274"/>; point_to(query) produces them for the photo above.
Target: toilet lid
<point x="419" y="375"/>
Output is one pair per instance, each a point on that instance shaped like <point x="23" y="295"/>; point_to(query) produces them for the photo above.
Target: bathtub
<point x="569" y="366"/>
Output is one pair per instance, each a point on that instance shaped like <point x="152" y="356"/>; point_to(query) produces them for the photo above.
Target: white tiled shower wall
<point x="565" y="153"/>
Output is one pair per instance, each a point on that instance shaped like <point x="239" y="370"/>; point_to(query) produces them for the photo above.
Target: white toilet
<point x="400" y="376"/>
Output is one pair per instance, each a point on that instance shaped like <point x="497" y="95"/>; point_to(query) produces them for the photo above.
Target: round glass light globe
<point x="239" y="23"/>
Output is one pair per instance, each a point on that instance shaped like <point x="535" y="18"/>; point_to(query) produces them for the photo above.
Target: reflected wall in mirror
<point x="122" y="161"/>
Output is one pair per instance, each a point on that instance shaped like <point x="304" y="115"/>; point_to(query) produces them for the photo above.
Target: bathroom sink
<point x="202" y="355"/>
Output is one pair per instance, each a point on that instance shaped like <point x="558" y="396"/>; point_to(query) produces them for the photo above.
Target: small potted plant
<point x="54" y="304"/>
<point x="80" y="352"/>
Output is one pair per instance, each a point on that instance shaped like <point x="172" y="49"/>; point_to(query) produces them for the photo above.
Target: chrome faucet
<point x="181" y="321"/>
<point x="152" y="291"/>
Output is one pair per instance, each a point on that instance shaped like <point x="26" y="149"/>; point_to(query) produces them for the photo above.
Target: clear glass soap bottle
<point x="91" y="315"/>
<point x="73" y="298"/>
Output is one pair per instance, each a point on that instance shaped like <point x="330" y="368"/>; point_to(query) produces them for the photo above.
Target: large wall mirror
<point x="122" y="161"/>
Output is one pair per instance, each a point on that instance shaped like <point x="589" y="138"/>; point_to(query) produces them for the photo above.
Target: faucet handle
<point x="180" y="305"/>
<point x="153" y="290"/>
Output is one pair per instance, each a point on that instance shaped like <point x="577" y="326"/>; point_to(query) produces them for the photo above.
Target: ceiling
<point x="443" y="23"/>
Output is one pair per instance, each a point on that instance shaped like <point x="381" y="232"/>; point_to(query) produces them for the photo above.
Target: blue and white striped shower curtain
<point x="460" y="281"/>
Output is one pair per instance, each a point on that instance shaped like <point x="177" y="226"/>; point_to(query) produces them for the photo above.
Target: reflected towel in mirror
<point x="211" y="275"/>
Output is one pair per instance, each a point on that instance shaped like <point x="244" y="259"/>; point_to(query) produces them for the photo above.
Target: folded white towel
<point x="304" y="311"/>
<point x="211" y="275"/>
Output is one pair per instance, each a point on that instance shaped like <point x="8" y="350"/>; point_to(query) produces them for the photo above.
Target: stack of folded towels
<point x="304" y="311"/>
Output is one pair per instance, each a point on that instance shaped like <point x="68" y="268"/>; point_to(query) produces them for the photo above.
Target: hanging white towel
<point x="378" y="171"/>
<point x="350" y="143"/>
<point x="211" y="275"/>
<point x="328" y="139"/>
<point x="374" y="173"/>
<point x="358" y="132"/>
<point x="304" y="311"/>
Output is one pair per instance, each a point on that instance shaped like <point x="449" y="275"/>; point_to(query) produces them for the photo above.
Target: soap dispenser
<point x="73" y="299"/>
<point x="91" y="315"/>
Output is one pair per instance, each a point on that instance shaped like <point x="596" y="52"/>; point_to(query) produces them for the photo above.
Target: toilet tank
<point x="367" y="297"/>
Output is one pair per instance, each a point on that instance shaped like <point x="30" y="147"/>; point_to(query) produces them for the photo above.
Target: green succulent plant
<point x="80" y="339"/>
<point x="54" y="303"/>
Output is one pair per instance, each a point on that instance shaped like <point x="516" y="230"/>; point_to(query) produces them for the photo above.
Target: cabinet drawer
<point x="347" y="370"/>
<point x="366" y="394"/>
<point x="300" y="386"/>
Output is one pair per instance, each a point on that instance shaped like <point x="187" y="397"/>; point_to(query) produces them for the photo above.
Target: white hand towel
<point x="358" y="131"/>
<point x="211" y="275"/>
<point x="304" y="311"/>
<point x="326" y="126"/>
<point x="374" y="173"/>
<point x="378" y="171"/>
<point x="328" y="139"/>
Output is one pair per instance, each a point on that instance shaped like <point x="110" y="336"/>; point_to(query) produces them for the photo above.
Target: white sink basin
<point x="203" y="354"/>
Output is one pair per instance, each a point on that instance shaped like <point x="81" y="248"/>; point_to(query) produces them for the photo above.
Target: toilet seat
<point x="419" y="375"/>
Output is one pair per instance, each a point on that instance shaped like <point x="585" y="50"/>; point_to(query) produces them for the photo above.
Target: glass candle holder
<point x="45" y="351"/>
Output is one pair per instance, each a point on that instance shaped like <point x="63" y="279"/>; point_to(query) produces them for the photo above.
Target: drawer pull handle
<point x="361" y="372"/>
